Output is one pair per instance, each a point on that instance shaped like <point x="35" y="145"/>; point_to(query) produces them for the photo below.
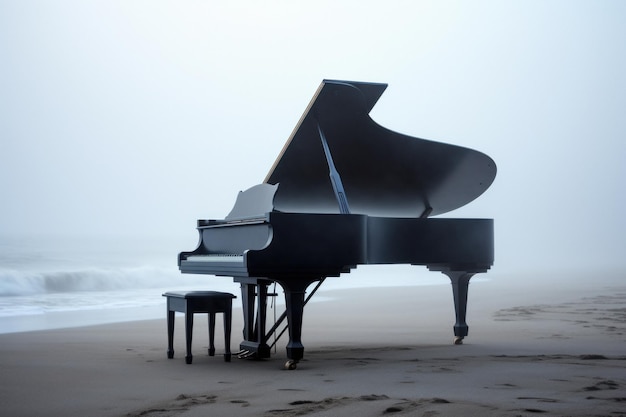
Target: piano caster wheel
<point x="212" y="352"/>
<point x="170" y="354"/>
<point x="188" y="359"/>
<point x="290" y="365"/>
<point x="458" y="340"/>
<point x="227" y="357"/>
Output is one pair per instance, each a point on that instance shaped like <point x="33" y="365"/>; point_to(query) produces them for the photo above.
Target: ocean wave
<point x="16" y="283"/>
<point x="21" y="282"/>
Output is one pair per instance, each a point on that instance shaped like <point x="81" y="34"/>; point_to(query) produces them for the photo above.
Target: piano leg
<point x="460" y="285"/>
<point x="294" y="300"/>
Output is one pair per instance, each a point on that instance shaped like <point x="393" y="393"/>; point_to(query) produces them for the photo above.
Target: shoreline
<point x="116" y="309"/>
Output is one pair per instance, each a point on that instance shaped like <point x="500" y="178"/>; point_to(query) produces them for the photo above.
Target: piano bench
<point x="190" y="303"/>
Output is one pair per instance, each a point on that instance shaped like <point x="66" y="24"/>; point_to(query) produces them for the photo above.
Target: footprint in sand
<point x="602" y="385"/>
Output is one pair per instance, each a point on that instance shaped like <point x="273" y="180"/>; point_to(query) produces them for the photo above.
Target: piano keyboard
<point x="215" y="258"/>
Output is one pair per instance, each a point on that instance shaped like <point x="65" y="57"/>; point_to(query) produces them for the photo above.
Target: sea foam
<point x="15" y="282"/>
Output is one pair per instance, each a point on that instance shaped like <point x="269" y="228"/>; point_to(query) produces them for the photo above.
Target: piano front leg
<point x="294" y="300"/>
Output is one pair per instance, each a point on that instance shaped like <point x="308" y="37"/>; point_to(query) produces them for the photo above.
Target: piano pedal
<point x="245" y="354"/>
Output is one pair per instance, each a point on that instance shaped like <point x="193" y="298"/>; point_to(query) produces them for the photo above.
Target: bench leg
<point x="188" y="335"/>
<point x="227" y="326"/>
<point x="170" y="334"/>
<point x="211" y="334"/>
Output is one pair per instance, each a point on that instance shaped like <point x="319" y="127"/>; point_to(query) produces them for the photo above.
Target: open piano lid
<point x="384" y="173"/>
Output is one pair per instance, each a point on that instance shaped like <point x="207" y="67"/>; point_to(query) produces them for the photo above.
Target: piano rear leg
<point x="460" y="285"/>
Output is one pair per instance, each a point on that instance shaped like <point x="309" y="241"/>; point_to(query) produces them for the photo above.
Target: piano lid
<point x="384" y="173"/>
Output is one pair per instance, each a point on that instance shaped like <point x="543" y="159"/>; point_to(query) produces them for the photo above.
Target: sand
<point x="554" y="347"/>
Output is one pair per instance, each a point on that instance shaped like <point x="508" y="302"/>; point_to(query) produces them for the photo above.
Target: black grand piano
<point x="345" y="191"/>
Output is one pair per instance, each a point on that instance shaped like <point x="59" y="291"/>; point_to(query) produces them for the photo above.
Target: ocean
<point x="52" y="282"/>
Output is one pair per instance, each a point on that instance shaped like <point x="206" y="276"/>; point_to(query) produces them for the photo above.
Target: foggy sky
<point x="139" y="117"/>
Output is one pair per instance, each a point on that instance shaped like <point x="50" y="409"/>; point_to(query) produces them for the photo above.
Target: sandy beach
<point x="553" y="347"/>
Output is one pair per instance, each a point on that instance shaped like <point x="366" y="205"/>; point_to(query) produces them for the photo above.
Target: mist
<point x="135" y="118"/>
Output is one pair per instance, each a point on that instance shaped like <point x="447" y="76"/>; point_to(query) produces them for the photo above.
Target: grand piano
<point x="345" y="191"/>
